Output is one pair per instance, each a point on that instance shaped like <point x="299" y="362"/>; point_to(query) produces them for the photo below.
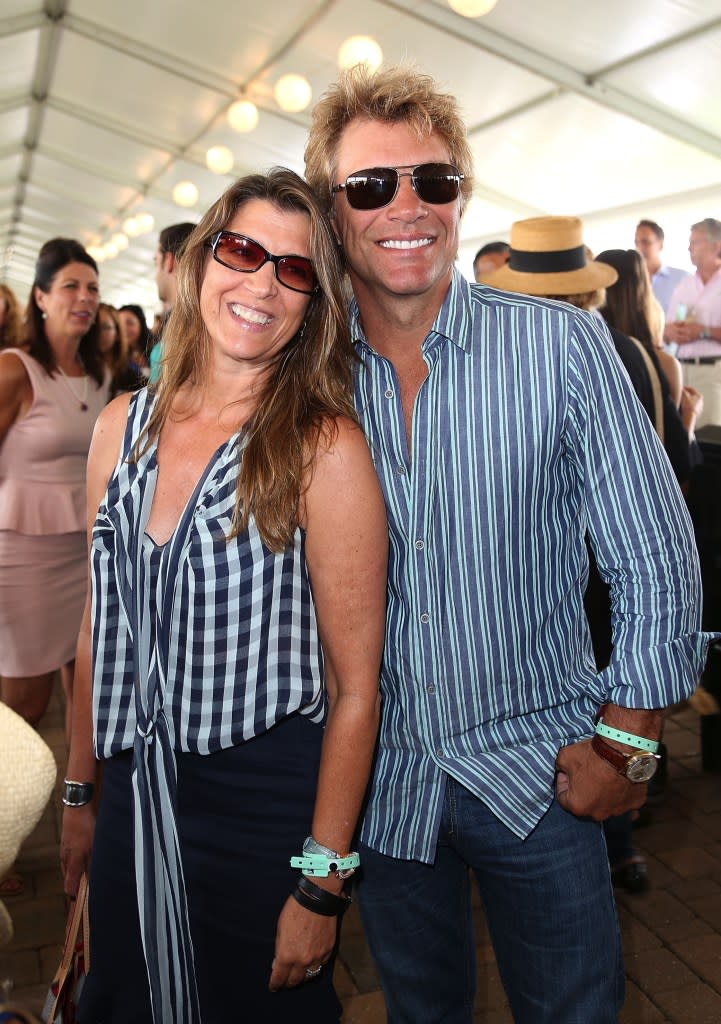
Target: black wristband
<point x="318" y="900"/>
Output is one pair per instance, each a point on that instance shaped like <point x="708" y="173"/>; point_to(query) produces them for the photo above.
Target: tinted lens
<point x="437" y="183"/>
<point x="296" y="272"/>
<point x="239" y="253"/>
<point x="371" y="189"/>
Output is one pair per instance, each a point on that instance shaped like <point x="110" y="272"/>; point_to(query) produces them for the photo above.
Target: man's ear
<point x="169" y="262"/>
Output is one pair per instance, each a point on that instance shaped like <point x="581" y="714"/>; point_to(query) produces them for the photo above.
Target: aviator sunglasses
<point x="238" y="252"/>
<point x="375" y="187"/>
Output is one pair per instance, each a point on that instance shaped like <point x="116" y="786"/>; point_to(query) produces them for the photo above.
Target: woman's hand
<point x="76" y="842"/>
<point x="303" y="940"/>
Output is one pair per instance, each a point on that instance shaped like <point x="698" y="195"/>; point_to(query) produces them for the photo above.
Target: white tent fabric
<point x="599" y="108"/>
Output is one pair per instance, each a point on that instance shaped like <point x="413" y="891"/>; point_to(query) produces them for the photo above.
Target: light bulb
<point x="243" y="116"/>
<point x="292" y="93"/>
<point x="146" y="222"/>
<point x="472" y="8"/>
<point x="110" y="250"/>
<point x="120" y="241"/>
<point x="219" y="159"/>
<point x="360" y="50"/>
<point x="131" y="227"/>
<point x="185" y="193"/>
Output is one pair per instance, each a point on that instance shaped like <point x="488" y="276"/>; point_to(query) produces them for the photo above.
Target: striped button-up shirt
<point x="526" y="436"/>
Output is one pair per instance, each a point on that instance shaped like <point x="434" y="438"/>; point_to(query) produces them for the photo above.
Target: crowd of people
<point x="358" y="593"/>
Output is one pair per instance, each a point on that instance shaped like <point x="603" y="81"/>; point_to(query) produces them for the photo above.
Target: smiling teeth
<point x="416" y="243"/>
<point x="249" y="314"/>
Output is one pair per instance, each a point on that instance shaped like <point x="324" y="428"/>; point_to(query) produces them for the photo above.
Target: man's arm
<point x="642" y="538"/>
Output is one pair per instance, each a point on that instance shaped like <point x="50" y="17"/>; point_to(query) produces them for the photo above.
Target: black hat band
<point x="556" y="262"/>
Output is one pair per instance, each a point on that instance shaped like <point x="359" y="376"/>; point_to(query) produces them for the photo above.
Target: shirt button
<point x="440" y="753"/>
<point x="390" y="393"/>
<point x="431" y="688"/>
<point x="419" y="545"/>
<point x="425" y="617"/>
<point x="402" y="470"/>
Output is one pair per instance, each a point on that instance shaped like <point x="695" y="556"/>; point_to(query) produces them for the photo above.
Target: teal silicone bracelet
<point x="317" y="865"/>
<point x="640" y="742"/>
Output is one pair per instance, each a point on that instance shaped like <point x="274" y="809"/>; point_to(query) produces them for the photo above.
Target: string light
<point x="472" y="8"/>
<point x="293" y="93"/>
<point x="360" y="50"/>
<point x="185" y="194"/>
<point x="243" y="116"/>
<point x="219" y="159"/>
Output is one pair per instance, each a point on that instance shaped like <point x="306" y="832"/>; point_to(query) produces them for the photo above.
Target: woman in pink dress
<point x="51" y="392"/>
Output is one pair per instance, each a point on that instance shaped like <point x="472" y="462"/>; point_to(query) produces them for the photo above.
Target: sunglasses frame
<point x="268" y="257"/>
<point x="402" y="171"/>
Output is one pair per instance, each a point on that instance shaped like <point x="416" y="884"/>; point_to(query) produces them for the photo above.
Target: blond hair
<point x="309" y="385"/>
<point x="390" y="95"/>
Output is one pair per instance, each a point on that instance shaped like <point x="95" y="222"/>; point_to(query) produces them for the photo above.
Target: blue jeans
<point x="549" y="907"/>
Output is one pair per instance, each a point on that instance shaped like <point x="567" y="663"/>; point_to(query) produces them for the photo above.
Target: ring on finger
<point x="313" y="972"/>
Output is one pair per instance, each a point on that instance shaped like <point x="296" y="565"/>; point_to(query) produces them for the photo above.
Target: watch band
<point x="636" y="766"/>
<point x="638" y="742"/>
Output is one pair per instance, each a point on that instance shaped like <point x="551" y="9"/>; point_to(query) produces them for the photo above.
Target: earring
<point x="45" y="315"/>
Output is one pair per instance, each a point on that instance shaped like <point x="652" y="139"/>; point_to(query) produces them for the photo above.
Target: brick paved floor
<point x="672" y="934"/>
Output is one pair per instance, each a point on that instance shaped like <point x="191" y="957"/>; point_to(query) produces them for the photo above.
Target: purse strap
<point x="655" y="387"/>
<point x="78" y="917"/>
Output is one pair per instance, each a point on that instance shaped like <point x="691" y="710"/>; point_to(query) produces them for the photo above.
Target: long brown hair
<point x="53" y="256"/>
<point x="310" y="383"/>
<point x="11" y="328"/>
<point x="628" y="305"/>
<point x="116" y="359"/>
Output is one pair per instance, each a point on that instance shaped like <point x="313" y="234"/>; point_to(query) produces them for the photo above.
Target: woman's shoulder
<point x="15" y="364"/>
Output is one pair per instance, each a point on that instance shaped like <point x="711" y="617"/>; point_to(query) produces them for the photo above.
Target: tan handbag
<point x="61" y="1002"/>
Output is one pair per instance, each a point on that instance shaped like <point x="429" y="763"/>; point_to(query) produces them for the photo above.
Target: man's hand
<point x="590" y="787"/>
<point x="682" y="331"/>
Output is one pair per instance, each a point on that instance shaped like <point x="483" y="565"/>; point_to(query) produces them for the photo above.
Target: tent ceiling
<point x="602" y="109"/>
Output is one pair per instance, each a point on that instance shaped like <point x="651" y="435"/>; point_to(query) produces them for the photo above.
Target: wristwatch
<point x="638" y="766"/>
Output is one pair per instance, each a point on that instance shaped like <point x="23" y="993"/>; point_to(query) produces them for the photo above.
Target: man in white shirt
<point x="649" y="242"/>
<point x="693" y="319"/>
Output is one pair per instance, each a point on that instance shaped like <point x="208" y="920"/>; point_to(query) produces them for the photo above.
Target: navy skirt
<point x="242" y="814"/>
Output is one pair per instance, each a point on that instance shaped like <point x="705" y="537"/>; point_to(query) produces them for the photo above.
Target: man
<point x="490" y="257"/>
<point x="693" y="319"/>
<point x="171" y="242"/>
<point x="649" y="242"/>
<point x="502" y="428"/>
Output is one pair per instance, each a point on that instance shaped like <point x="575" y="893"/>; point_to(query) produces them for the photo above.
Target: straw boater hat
<point x="548" y="258"/>
<point x="27" y="774"/>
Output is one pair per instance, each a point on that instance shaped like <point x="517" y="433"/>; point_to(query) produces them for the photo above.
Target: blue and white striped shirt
<point x="526" y="435"/>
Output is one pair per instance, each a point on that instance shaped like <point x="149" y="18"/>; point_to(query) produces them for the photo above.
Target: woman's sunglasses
<point x="238" y="252"/>
<point x="375" y="187"/>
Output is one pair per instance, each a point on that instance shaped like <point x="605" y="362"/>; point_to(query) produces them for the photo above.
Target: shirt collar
<point x="451" y="322"/>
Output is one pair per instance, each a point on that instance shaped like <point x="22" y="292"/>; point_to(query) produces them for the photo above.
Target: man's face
<point x="163" y="264"/>
<point x="406" y="248"/>
<point x="649" y="245"/>
<point x="488" y="263"/>
<point x="703" y="252"/>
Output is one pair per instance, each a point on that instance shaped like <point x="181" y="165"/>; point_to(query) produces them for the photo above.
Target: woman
<point x="114" y="350"/>
<point x="10" y="318"/>
<point x="630" y="307"/>
<point x="137" y="336"/>
<point x="224" y="493"/>
<point x="51" y="392"/>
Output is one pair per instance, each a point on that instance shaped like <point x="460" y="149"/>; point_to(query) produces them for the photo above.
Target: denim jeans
<point x="549" y="907"/>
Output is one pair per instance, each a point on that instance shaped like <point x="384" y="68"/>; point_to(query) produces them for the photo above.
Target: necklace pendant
<point x="83" y="406"/>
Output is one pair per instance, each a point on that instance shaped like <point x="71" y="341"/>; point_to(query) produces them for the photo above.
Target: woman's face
<point x="131" y="326"/>
<point x="250" y="317"/>
<point x="108" y="332"/>
<point x="71" y="303"/>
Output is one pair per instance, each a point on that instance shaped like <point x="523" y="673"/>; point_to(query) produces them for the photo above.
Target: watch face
<point x="641" y="767"/>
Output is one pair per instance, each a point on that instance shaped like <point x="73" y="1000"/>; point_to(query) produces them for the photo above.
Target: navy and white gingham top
<point x="197" y="646"/>
<point x="526" y="435"/>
